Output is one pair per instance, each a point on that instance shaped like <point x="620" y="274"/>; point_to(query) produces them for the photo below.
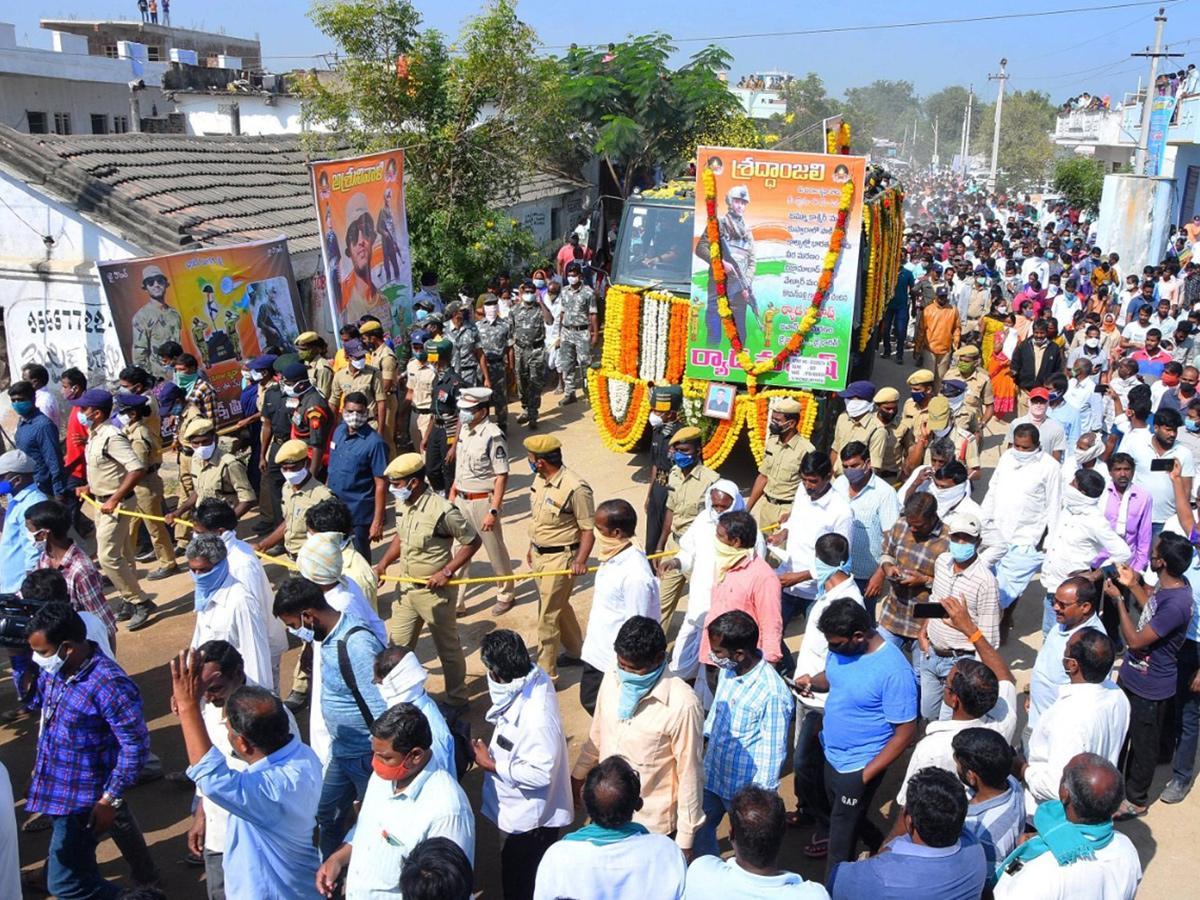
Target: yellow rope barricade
<point x="406" y="579"/>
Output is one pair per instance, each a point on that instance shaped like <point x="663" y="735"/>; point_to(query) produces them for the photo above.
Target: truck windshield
<point x="656" y="247"/>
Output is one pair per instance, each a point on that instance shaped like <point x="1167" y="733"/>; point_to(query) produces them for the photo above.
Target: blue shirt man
<point x="18" y="553"/>
<point x="339" y="704"/>
<point x="357" y="460"/>
<point x="1067" y="416"/>
<point x="37" y="437"/>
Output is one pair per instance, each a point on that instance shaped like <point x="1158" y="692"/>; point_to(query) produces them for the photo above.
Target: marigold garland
<point x="883" y="231"/>
<point x="620" y="437"/>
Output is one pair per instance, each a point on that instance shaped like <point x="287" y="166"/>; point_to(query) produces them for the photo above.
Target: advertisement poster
<point x="222" y="304"/>
<point x="1161" y="111"/>
<point x="776" y="213"/>
<point x="364" y="238"/>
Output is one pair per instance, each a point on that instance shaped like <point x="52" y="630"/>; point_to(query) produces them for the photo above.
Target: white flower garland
<point x="619" y="393"/>
<point x="653" y="347"/>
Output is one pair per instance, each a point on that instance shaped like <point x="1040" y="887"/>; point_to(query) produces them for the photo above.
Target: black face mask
<point x="775" y="428"/>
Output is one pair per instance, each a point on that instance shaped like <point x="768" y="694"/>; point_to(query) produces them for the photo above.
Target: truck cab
<point x="654" y="242"/>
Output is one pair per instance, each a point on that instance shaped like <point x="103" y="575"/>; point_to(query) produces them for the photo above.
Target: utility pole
<point x="935" y="141"/>
<point x="967" y="132"/>
<point x="1142" y="155"/>
<point x="1002" y="78"/>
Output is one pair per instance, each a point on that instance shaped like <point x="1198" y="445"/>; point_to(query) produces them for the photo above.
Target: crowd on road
<point x="903" y="569"/>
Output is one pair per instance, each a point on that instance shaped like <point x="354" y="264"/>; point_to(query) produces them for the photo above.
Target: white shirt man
<point x="645" y="866"/>
<point x="232" y="615"/>
<point x="1086" y="718"/>
<point x="1081" y="394"/>
<point x="1144" y="448"/>
<point x="405" y="683"/>
<point x="47" y="403"/>
<point x="625" y="587"/>
<point x="248" y="570"/>
<point x="531" y="787"/>
<point x="1053" y="435"/>
<point x="828" y="514"/>
<point x="10" y="864"/>
<point x="1113" y="875"/>
<point x="1080" y="535"/>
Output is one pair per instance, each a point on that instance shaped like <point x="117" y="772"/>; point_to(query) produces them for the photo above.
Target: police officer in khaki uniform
<point x="887" y="411"/>
<point x="427" y="527"/>
<point x="311" y="347"/>
<point x="562" y="518"/>
<point x="113" y="470"/>
<point x="980" y="397"/>
<point x="480" y="480"/>
<point x="858" y="423"/>
<point x="301" y="493"/>
<point x="359" y="376"/>
<point x="133" y="411"/>
<point x="916" y="410"/>
<point x="418" y="398"/>
<point x="955" y="391"/>
<point x="215" y="473"/>
<point x="687" y="485"/>
<point x="940" y="424"/>
<point x="384" y="359"/>
<point x="779" y="474"/>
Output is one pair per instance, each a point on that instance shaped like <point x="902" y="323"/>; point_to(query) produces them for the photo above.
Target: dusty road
<point x="1165" y="838"/>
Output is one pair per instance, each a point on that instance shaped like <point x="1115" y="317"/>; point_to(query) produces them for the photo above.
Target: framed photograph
<point x="718" y="403"/>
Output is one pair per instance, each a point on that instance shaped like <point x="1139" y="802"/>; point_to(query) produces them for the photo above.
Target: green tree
<point x="638" y="111"/>
<point x="807" y="106"/>
<point x="474" y="119"/>
<point x="948" y="107"/>
<point x="1080" y="180"/>
<point x="881" y="109"/>
<point x="717" y="128"/>
<point x="1025" y="146"/>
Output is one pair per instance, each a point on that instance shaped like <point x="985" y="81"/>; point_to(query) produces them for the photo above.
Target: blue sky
<point x="1062" y="55"/>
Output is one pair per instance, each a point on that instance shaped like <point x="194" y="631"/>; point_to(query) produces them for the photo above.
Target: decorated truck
<point x="767" y="277"/>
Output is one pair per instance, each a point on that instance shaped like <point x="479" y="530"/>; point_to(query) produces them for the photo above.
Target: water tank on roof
<point x="187" y="57"/>
<point x="228" y="62"/>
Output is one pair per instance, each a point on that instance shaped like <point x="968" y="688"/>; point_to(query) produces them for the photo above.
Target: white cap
<point x="962" y="522"/>
<point x="15" y="461"/>
<point x="474" y="397"/>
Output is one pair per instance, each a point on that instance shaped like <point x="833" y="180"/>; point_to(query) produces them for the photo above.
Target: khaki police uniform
<point x="866" y="428"/>
<point x="781" y="466"/>
<point x="420" y="377"/>
<point x="427" y="528"/>
<point x="297" y="501"/>
<point x="223" y="476"/>
<point x="913" y="421"/>
<point x="110" y="458"/>
<point x="367" y="380"/>
<point x="384" y="359"/>
<point x="482" y="455"/>
<point x="685" y="500"/>
<point x="320" y="375"/>
<point x="561" y="509"/>
<point x="148" y="492"/>
<point x="979" y="393"/>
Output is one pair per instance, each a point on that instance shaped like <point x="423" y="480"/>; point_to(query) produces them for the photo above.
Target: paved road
<point x="1164" y="838"/>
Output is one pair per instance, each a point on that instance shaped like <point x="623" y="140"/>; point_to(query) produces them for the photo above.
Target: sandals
<point x="817" y="848"/>
<point x="499" y="609"/>
<point x="1129" y="811"/>
<point x="798" y="818"/>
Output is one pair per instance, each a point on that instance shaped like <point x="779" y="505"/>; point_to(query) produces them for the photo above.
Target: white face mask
<point x="490" y="312"/>
<point x="290" y="391"/>
<point x="1092" y="343"/>
<point x="655" y="420"/>
<point x="401" y="493"/>
<point x="295" y="478"/>
<point x="1026" y="456"/>
<point x="857" y="407"/>
<point x="122" y="421"/>
<point x="305" y="634"/>
<point x="256" y="375"/>
<point x="206" y="451"/>
<point x="572" y="280"/>
<point x="359" y="363"/>
<point x="50" y="664"/>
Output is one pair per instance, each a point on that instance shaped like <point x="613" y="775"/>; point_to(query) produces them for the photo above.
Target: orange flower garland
<point x="677" y="340"/>
<point x="629" y="335"/>
<point x="620" y="437"/>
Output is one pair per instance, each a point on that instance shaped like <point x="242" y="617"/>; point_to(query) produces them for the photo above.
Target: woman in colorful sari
<point x="999" y="343"/>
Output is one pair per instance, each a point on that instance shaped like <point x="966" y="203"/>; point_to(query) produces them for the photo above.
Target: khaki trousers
<point x="417" y="426"/>
<point x="475" y="511"/>
<point x="186" y="485"/>
<point x="767" y="512"/>
<point x="557" y="623"/>
<point x="671" y="586"/>
<point x="115" y="551"/>
<point x="941" y="365"/>
<point x="418" y="605"/>
<point x="148" y="495"/>
<point x="387" y="429"/>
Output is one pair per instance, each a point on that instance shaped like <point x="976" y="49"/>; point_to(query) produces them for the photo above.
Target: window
<point x="110" y="50"/>
<point x="120" y="124"/>
<point x="62" y="123"/>
<point x="99" y="123"/>
<point x="154" y="54"/>
<point x="37" y="122"/>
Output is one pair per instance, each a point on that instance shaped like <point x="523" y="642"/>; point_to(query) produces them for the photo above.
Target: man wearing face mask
<point x="222" y="672"/>
<point x="887" y="405"/>
<point x="466" y="352"/>
<point x="276" y="428"/>
<point x="300" y="494"/>
<point x="439" y="443"/>
<point x="687" y="484"/>
<point x="527" y="785"/>
<point x="310" y="347"/>
<point x="779" y="475"/>
<point x="225" y="610"/>
<point x="113" y="470"/>
<point x="915" y="415"/>
<point x="1052" y="437"/>
<point x="359" y="377"/>
<point x="1090" y="349"/>
<point x="401" y="679"/>
<point x="580" y="332"/>
<point x="131" y="412"/>
<point x="270" y="800"/>
<point x="1020" y="512"/>
<point x="429" y="293"/>
<point x="939" y="333"/>
<point x="858" y="423"/>
<point x="409" y="798"/>
<point x="427" y="528"/>
<point x="980" y="399"/>
<point x="215" y="473"/>
<point x="560" y="538"/>
<point x="357" y="460"/>
<point x="312" y="419"/>
<point x="415" y="416"/>
<point x="18" y="552"/>
<point x="200" y="402"/>
<point x="384" y="359"/>
<point x="530" y="318"/>
<point x="480" y="481"/>
<point x="666" y="401"/>
<point x="496" y="340"/>
<point x="37" y="437"/>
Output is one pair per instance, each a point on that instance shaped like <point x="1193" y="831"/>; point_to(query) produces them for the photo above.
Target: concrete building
<point x="105" y="77"/>
<point x="1100" y="134"/>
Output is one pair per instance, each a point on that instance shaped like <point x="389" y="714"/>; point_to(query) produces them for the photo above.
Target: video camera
<point x="15" y="614"/>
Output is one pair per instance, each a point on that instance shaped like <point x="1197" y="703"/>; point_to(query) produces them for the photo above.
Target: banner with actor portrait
<point x="364" y="238"/>
<point x="776" y="213"/>
<point x="223" y="305"/>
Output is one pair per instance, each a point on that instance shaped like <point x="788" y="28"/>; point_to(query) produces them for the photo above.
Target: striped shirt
<point x="997" y="824"/>
<point x="875" y="510"/>
<point x="912" y="556"/>
<point x="976" y="586"/>
<point x="747" y="731"/>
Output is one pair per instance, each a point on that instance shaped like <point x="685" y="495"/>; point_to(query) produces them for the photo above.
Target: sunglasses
<point x="362" y="224"/>
<point x="157" y="279"/>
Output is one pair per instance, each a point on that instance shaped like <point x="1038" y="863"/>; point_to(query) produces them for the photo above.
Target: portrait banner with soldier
<point x="775" y="215"/>
<point x="364" y="238"/>
<point x="223" y="305"/>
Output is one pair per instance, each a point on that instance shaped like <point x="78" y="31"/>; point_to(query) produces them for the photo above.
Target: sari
<point x="998" y="344"/>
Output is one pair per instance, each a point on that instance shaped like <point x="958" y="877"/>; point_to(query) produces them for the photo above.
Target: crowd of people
<point x="904" y="570"/>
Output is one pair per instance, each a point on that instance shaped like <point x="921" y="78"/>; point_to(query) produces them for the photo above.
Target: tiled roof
<point x="168" y="192"/>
